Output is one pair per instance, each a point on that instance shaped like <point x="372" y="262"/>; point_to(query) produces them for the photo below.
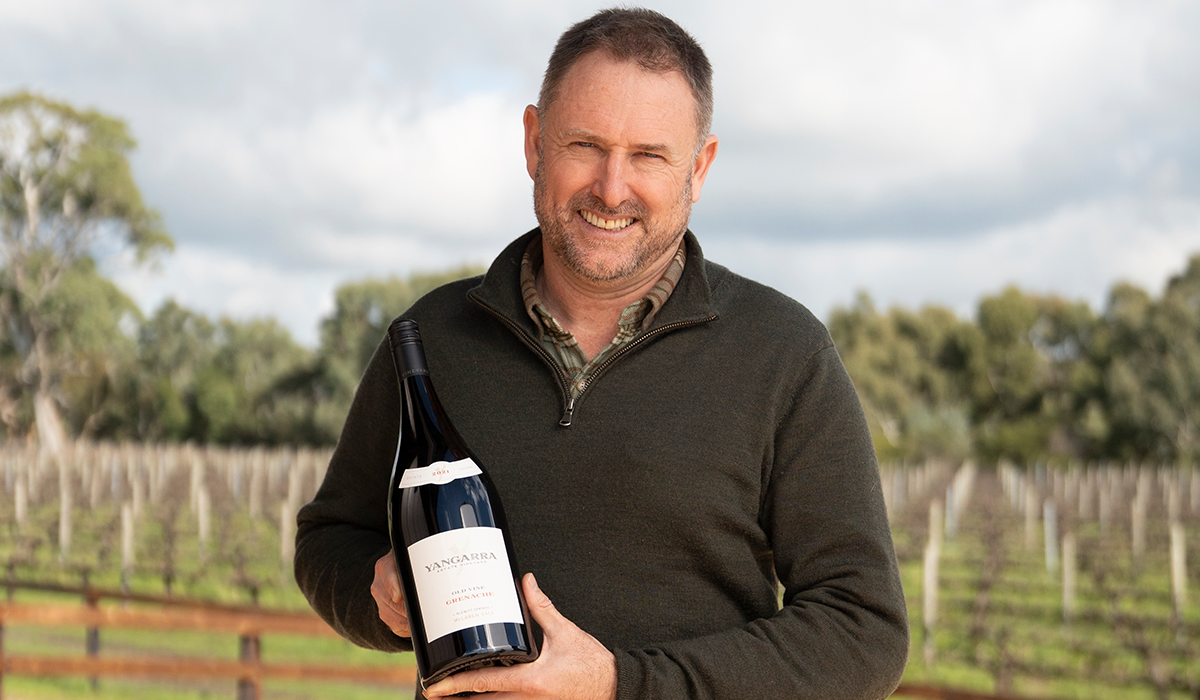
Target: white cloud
<point x="887" y="95"/>
<point x="451" y="167"/>
<point x="1078" y="251"/>
<point x="220" y="282"/>
<point x="176" y="18"/>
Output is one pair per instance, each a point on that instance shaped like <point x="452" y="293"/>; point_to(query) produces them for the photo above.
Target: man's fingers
<point x="543" y="611"/>
<point x="385" y="589"/>
<point x="386" y="579"/>
<point x="396" y="622"/>
<point x="484" y="680"/>
<point x="573" y="664"/>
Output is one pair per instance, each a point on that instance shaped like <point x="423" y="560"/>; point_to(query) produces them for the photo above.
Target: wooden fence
<point x="172" y="614"/>
<point x="175" y="615"/>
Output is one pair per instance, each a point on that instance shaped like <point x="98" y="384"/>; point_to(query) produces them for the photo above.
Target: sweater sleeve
<point x="344" y="531"/>
<point x="842" y="631"/>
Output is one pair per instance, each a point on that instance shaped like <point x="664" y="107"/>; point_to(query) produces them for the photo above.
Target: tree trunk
<point x="52" y="439"/>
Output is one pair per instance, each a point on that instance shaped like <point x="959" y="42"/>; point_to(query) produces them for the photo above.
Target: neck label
<point x="439" y="473"/>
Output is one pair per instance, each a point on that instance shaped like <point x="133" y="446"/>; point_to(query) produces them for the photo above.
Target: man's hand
<point x="385" y="589"/>
<point x="573" y="664"/>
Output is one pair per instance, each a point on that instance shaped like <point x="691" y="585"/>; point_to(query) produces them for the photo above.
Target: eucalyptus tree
<point x="1152" y="370"/>
<point x="913" y="372"/>
<point x="349" y="336"/>
<point x="65" y="181"/>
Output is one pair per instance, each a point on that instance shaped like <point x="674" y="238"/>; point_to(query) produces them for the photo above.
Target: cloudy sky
<point x="926" y="151"/>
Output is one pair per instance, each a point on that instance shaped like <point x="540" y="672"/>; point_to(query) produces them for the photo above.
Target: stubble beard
<point x="586" y="258"/>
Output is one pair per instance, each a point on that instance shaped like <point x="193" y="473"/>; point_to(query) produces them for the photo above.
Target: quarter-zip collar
<point x="500" y="294"/>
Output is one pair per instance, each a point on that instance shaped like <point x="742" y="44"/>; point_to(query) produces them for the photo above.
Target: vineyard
<point x="1050" y="582"/>
<point x="1064" y="581"/>
<point x="209" y="524"/>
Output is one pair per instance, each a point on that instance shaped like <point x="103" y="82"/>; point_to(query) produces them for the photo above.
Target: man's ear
<point x="700" y="170"/>
<point x="533" y="139"/>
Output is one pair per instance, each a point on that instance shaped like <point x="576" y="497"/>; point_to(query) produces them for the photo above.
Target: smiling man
<point x="675" y="444"/>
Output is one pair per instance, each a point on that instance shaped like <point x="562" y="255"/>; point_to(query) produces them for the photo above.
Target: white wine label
<point x="463" y="579"/>
<point x="439" y="473"/>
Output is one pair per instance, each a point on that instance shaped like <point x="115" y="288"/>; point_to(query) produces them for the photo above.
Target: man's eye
<point x="585" y="144"/>
<point x="651" y="155"/>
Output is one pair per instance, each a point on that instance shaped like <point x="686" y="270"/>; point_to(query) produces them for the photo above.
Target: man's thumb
<point x="543" y="611"/>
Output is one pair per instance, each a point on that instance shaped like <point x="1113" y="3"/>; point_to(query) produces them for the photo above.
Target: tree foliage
<point x="180" y="376"/>
<point x="64" y="181"/>
<point x="1032" y="377"/>
<point x="349" y="337"/>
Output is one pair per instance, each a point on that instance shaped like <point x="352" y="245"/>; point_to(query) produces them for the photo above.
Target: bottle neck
<point x="422" y="410"/>
<point x="416" y="390"/>
<point x="410" y="359"/>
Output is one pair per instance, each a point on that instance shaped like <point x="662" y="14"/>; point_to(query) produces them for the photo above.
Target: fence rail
<point x="176" y="615"/>
<point x="245" y="623"/>
<point x="198" y="668"/>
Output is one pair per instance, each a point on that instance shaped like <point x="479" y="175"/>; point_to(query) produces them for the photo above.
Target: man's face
<point x="614" y="167"/>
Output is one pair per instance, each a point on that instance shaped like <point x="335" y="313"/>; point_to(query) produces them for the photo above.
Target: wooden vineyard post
<point x="1178" y="569"/>
<point x="137" y="486"/>
<point x="1174" y="501"/>
<point x="899" y="483"/>
<point x="1106" y="498"/>
<point x="1031" y="515"/>
<point x="933" y="552"/>
<point x="1086" y="483"/>
<point x="287" y="541"/>
<point x="126" y="545"/>
<point x="97" y="481"/>
<point x="257" y="483"/>
<point x="1068" y="576"/>
<point x="951" y="513"/>
<point x="203" y="519"/>
<point x="65" y="508"/>
<point x="33" y="467"/>
<point x="1137" y="514"/>
<point x="196" y="475"/>
<point x="22" y="500"/>
<point x="1050" y="523"/>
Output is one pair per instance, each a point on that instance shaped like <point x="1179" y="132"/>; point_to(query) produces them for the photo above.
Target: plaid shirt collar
<point x="634" y="317"/>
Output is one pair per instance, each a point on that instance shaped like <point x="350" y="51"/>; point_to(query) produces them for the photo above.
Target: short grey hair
<point x="652" y="40"/>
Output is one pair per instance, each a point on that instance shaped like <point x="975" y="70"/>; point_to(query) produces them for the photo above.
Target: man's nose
<point x="611" y="184"/>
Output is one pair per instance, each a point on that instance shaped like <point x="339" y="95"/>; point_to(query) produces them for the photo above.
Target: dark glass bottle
<point x="449" y="535"/>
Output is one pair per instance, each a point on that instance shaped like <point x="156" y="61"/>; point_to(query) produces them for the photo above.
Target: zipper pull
<point x="565" y="421"/>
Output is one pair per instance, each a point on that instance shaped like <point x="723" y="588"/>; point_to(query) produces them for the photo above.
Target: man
<point x="672" y="442"/>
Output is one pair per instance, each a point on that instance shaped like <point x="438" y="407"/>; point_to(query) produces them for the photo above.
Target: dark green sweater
<point x="725" y="448"/>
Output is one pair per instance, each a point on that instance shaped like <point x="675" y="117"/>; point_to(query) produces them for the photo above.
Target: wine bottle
<point x="453" y="553"/>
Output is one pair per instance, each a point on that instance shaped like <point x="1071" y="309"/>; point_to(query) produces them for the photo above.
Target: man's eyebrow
<point x="652" y="147"/>
<point x="581" y="135"/>
<point x="584" y="135"/>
